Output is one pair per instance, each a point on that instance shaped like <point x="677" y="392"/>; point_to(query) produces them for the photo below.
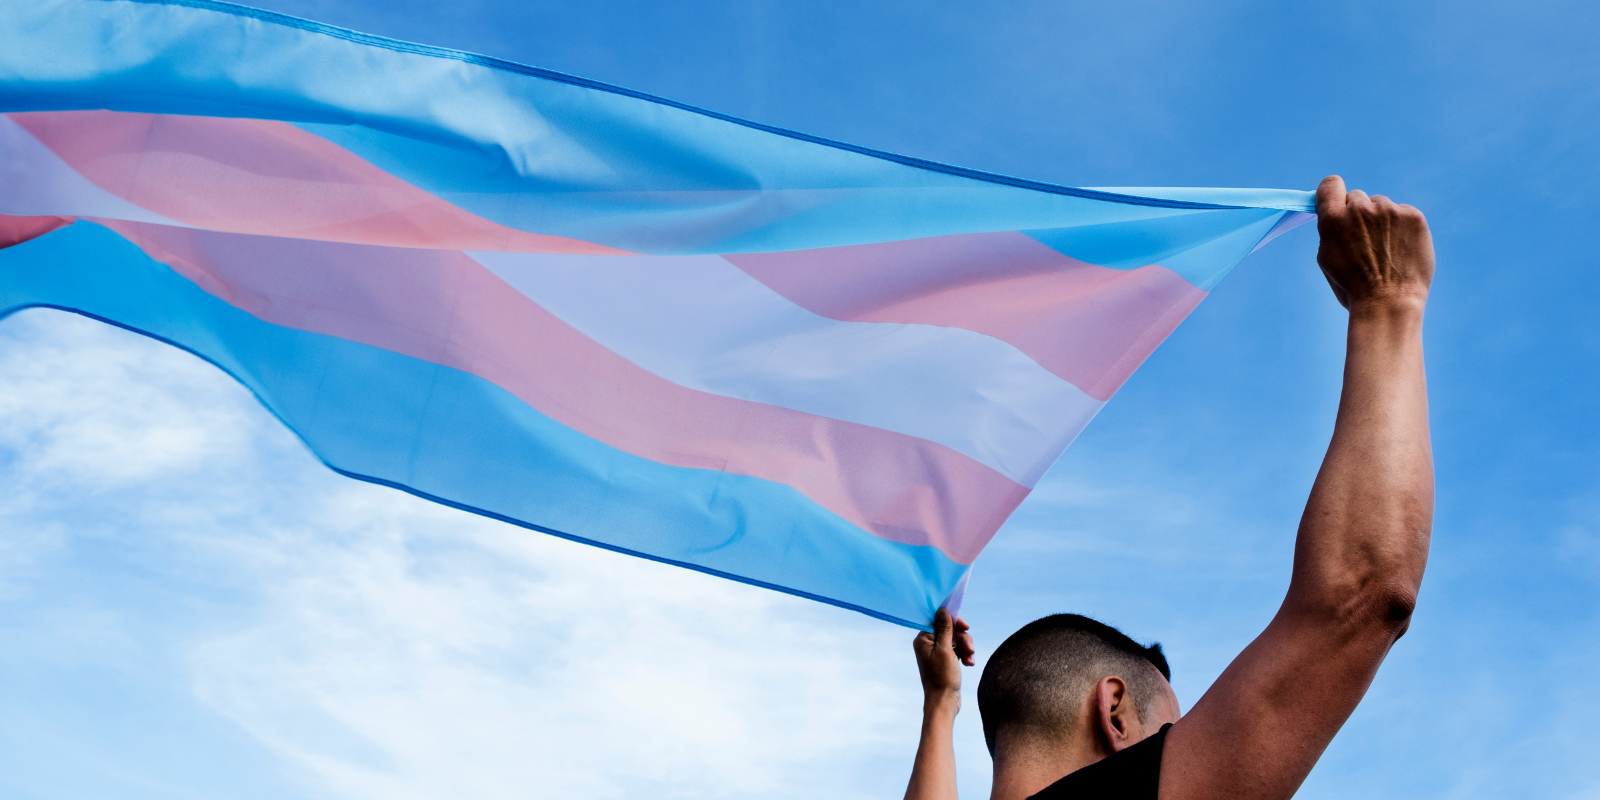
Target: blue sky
<point x="192" y="607"/>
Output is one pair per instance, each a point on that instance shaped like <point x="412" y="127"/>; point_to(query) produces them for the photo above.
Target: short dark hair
<point x="1037" y="679"/>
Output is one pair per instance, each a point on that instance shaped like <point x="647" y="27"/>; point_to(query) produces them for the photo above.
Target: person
<point x="1075" y="709"/>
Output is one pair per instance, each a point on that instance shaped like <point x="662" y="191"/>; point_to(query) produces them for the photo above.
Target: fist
<point x="940" y="654"/>
<point x="1373" y="250"/>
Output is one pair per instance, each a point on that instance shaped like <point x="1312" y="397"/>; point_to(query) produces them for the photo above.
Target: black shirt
<point x="1130" y="774"/>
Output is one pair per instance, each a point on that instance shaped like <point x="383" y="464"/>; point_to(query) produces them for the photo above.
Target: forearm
<point x="933" y="774"/>
<point x="1364" y="537"/>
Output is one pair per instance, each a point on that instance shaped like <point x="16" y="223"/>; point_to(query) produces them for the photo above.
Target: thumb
<point x="1330" y="195"/>
<point x="943" y="630"/>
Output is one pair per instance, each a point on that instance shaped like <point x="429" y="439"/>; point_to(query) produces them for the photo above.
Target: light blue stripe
<point x="533" y="150"/>
<point x="1205" y="265"/>
<point x="456" y="438"/>
<point x="1166" y="241"/>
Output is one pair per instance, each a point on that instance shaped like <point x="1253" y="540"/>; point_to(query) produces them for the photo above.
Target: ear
<point x="1119" y="721"/>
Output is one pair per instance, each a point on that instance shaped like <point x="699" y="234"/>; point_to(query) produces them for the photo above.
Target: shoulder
<point x="1132" y="774"/>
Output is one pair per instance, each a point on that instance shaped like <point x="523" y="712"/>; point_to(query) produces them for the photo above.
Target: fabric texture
<point x="594" y="313"/>
<point x="1133" y="773"/>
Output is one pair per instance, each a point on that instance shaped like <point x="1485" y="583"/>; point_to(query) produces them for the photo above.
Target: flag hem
<point x="491" y="62"/>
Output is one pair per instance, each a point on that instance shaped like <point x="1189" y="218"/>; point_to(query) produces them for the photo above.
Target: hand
<point x="940" y="655"/>
<point x="1373" y="250"/>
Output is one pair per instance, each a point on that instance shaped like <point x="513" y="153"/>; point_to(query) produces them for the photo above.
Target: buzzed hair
<point x="1037" y="679"/>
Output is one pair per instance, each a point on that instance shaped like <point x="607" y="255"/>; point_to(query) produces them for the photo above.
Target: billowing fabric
<point x="602" y="315"/>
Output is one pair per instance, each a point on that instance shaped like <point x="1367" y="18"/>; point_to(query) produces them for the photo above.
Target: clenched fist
<point x="940" y="655"/>
<point x="1374" y="251"/>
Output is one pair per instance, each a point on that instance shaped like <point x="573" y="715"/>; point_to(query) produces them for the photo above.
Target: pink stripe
<point x="443" y="307"/>
<point x="1091" y="325"/>
<point x="267" y="177"/>
<point x="16" y="230"/>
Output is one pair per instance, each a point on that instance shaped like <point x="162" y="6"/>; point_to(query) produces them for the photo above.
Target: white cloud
<point x="378" y="646"/>
<point x="80" y="403"/>
<point x="450" y="654"/>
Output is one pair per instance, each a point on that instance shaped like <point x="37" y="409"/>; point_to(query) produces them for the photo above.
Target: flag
<point x="588" y="311"/>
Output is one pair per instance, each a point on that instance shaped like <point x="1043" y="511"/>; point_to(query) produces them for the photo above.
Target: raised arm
<point x="1363" y="540"/>
<point x="939" y="658"/>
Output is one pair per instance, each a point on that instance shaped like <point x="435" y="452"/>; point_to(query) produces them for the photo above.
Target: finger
<point x="1330" y="195"/>
<point x="963" y="642"/>
<point x="1412" y="217"/>
<point x="1355" y="199"/>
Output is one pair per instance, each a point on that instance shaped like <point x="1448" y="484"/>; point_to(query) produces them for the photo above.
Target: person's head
<point x="1067" y="676"/>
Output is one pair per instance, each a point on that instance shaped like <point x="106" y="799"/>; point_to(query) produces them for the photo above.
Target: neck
<point x="1024" y="768"/>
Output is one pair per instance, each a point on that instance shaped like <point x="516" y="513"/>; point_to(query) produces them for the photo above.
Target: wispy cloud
<point x="366" y="644"/>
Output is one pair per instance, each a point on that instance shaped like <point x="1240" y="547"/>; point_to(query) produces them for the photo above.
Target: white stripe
<point x="1288" y="222"/>
<point x="34" y="181"/>
<point x="702" y="323"/>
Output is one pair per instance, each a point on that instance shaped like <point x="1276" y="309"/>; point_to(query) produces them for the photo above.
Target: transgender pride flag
<point x="595" y="313"/>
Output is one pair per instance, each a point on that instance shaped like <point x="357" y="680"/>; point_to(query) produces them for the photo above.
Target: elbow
<point x="1371" y="587"/>
<point x="1360" y="608"/>
<point x="1393" y="608"/>
<point x="1384" y="607"/>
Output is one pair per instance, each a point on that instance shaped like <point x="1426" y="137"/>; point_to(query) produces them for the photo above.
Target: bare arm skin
<point x="1363" y="541"/>
<point x="939" y="658"/>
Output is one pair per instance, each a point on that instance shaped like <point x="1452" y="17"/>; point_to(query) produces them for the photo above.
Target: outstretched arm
<point x="1363" y="540"/>
<point x="939" y="658"/>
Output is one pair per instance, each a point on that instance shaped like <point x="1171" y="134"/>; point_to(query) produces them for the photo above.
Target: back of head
<point x="1036" y="682"/>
